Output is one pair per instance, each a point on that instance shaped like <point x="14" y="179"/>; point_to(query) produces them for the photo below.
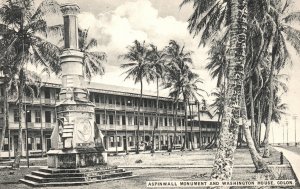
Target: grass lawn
<point x="242" y="157"/>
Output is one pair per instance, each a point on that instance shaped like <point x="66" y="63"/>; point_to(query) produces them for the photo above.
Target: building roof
<point x="206" y="116"/>
<point x="107" y="88"/>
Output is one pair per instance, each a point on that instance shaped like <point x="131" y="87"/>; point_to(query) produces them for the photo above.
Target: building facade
<point x="115" y="115"/>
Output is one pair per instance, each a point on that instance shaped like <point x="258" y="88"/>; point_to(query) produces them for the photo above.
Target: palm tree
<point x="4" y="69"/>
<point x="217" y="65"/>
<point x="177" y="69"/>
<point x="138" y="69"/>
<point x="279" y="86"/>
<point x="92" y="60"/>
<point x="157" y="69"/>
<point x="190" y="90"/>
<point x="281" y="33"/>
<point x="218" y="106"/>
<point x="172" y="81"/>
<point x="218" y="11"/>
<point x="24" y="28"/>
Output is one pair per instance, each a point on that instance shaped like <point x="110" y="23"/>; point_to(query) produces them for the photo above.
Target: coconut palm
<point x="218" y="107"/>
<point x="217" y="65"/>
<point x="157" y="68"/>
<point x="24" y="29"/>
<point x="177" y="70"/>
<point x="92" y="60"/>
<point x="219" y="12"/>
<point x="4" y="69"/>
<point x="172" y="81"/>
<point x="281" y="33"/>
<point x="191" y="90"/>
<point x="138" y="69"/>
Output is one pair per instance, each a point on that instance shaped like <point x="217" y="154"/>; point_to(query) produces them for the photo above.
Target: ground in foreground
<point x="9" y="179"/>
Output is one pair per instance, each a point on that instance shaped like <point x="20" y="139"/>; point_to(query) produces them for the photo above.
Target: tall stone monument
<point x="77" y="154"/>
<point x="75" y="141"/>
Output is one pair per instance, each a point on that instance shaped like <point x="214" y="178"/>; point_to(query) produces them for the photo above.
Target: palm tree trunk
<point x="259" y="163"/>
<point x="191" y="129"/>
<point x="270" y="108"/>
<point x="20" y="97"/>
<point x="156" y="116"/>
<point x="259" y="119"/>
<point x="139" y="120"/>
<point x="41" y="120"/>
<point x="224" y="159"/>
<point x="253" y="128"/>
<point x="20" y="141"/>
<point x="199" y="125"/>
<point x="174" y="141"/>
<point x="185" y="124"/>
<point x="5" y="100"/>
<point x="175" y="122"/>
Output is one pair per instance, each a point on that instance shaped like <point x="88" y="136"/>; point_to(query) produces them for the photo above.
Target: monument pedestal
<point x="76" y="158"/>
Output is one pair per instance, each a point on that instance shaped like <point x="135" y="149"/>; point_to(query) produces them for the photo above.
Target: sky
<point x="117" y="23"/>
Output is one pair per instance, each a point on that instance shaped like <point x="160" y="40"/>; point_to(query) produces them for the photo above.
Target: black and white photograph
<point x="149" y="94"/>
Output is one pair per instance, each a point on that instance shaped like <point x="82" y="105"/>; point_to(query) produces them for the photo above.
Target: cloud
<point x="137" y="20"/>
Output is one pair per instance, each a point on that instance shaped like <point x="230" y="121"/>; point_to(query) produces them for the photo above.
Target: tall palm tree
<point x="281" y="33"/>
<point x="177" y="68"/>
<point x="219" y="12"/>
<point x="25" y="29"/>
<point x="138" y="69"/>
<point x="218" y="107"/>
<point x="157" y="68"/>
<point x="218" y="61"/>
<point x="191" y="90"/>
<point x="4" y="69"/>
<point x="92" y="60"/>
<point x="172" y="81"/>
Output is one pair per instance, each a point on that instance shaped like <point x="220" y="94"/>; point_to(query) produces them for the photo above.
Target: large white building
<point x="115" y="115"/>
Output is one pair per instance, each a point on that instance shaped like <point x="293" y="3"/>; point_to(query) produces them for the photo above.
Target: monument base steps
<point x="80" y="176"/>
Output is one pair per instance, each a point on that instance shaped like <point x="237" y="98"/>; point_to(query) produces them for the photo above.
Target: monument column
<point x="76" y="140"/>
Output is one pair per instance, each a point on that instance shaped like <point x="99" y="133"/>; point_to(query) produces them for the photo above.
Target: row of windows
<point x="116" y="141"/>
<point x="133" y="120"/>
<point x="129" y="101"/>
<point x="33" y="144"/>
<point x="37" y="116"/>
<point x="47" y="93"/>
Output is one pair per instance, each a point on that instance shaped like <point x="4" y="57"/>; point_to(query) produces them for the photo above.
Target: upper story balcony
<point x="30" y="125"/>
<point x="129" y="108"/>
<point x="148" y="128"/>
<point x="35" y="101"/>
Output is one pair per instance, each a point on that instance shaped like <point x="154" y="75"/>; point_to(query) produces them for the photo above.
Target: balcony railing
<point x="135" y="108"/>
<point x="31" y="125"/>
<point x="30" y="100"/>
